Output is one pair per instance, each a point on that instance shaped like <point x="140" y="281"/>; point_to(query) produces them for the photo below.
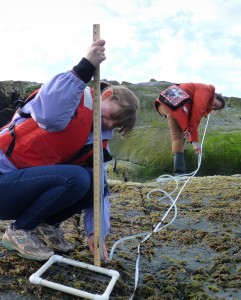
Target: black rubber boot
<point x="179" y="163"/>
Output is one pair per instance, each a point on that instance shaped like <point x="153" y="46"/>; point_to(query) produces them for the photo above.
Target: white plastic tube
<point x="36" y="278"/>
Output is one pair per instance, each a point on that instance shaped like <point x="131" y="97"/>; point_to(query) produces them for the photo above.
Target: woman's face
<point x="108" y="109"/>
<point x="216" y="104"/>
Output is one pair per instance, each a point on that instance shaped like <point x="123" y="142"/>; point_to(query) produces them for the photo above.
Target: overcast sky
<point x="170" y="40"/>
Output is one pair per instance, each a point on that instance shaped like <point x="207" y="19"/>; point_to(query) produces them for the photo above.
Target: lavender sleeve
<point x="88" y="216"/>
<point x="55" y="104"/>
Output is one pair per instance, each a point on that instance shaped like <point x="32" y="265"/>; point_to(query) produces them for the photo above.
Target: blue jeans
<point x="49" y="194"/>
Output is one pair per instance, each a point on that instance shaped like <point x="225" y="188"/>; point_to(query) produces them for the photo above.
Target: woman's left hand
<point x="92" y="248"/>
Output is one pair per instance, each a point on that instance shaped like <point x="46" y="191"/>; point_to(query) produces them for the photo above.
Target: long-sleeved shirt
<point x="53" y="108"/>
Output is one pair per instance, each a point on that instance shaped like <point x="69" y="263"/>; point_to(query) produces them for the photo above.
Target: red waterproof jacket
<point x="189" y="116"/>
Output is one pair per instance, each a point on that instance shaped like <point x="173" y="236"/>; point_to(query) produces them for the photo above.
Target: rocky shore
<point x="197" y="257"/>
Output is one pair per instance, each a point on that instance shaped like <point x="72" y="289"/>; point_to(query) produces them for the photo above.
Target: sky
<point x="166" y="40"/>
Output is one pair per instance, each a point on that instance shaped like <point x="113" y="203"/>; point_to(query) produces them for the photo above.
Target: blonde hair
<point x="128" y="103"/>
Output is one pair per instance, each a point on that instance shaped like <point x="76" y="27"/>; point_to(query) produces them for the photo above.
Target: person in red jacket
<point x="184" y="121"/>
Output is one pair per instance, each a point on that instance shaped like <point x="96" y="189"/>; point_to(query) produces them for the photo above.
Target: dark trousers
<point x="49" y="194"/>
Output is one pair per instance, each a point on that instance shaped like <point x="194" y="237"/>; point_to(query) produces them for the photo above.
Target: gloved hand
<point x="196" y="147"/>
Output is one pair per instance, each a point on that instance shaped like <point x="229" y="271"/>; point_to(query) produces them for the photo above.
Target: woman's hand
<point x="186" y="134"/>
<point x="196" y="147"/>
<point x="92" y="249"/>
<point x="96" y="53"/>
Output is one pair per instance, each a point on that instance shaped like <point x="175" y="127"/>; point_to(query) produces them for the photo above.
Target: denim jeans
<point x="49" y="194"/>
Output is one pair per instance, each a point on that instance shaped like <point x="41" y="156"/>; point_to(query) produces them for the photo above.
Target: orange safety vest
<point x="35" y="146"/>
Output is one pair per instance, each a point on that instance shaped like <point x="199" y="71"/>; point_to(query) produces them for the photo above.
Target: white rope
<point x="173" y="205"/>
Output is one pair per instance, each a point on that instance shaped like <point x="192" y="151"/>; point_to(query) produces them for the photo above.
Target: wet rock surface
<point x="197" y="257"/>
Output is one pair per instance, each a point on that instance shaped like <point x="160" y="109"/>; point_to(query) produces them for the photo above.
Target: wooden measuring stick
<point x="96" y="156"/>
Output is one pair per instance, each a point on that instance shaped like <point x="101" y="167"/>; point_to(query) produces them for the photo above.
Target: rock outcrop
<point x="10" y="91"/>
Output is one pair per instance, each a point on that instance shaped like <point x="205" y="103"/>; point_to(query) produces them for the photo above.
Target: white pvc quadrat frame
<point x="36" y="278"/>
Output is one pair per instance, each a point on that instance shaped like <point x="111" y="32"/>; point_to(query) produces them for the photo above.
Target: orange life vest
<point x="35" y="146"/>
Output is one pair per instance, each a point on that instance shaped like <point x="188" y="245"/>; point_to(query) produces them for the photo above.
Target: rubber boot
<point x="179" y="163"/>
